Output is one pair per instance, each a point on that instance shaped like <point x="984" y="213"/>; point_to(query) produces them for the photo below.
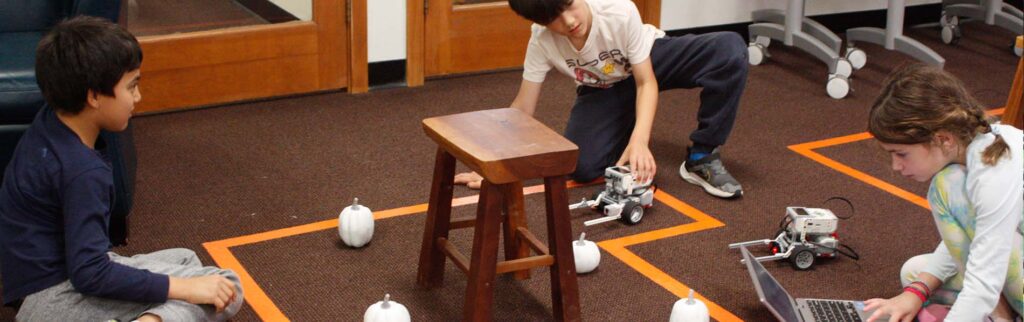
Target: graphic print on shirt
<point x="609" y="64"/>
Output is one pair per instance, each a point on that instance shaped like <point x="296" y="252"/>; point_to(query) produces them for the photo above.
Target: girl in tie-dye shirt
<point x="934" y="130"/>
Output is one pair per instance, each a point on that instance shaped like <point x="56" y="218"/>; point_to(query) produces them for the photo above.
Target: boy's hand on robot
<point x="471" y="180"/>
<point x="640" y="161"/>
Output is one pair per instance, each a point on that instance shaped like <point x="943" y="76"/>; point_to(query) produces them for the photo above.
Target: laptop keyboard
<point x="833" y="311"/>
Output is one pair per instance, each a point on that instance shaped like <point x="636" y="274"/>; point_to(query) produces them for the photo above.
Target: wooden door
<point x="240" y="63"/>
<point x="461" y="36"/>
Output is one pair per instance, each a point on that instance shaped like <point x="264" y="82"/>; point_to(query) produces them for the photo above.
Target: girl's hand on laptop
<point x="903" y="308"/>
<point x="640" y="161"/>
<point x="472" y="180"/>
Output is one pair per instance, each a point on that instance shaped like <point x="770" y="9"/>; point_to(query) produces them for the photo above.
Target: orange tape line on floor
<point x="332" y="223"/>
<point x="254" y="295"/>
<point x="807" y="150"/>
<point x="617" y="247"/>
<point x="268" y="311"/>
<point x="257" y="298"/>
<point x="665" y="280"/>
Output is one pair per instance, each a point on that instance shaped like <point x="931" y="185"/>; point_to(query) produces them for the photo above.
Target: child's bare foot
<point x="470" y="179"/>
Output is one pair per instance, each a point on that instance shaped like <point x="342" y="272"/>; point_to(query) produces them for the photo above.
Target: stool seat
<point x="503" y="145"/>
<point x="506" y="147"/>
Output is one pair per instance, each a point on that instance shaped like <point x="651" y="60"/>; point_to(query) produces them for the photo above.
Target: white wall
<point x="385" y="30"/>
<point x="386" y="26"/>
<point x="302" y="9"/>
<point x="680" y="14"/>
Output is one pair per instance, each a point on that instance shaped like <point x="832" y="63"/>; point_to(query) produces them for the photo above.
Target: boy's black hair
<point x="81" y="54"/>
<point x="542" y="12"/>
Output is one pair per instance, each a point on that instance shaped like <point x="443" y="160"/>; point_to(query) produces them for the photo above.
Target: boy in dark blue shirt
<point x="57" y="192"/>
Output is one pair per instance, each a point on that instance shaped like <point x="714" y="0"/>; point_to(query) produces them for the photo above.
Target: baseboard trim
<point x="387" y="73"/>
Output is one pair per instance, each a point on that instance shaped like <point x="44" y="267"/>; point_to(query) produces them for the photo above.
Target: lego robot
<point x="622" y="198"/>
<point x="805" y="234"/>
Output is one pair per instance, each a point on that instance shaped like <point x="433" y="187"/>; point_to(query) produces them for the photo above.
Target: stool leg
<point x="439" y="211"/>
<point x="515" y="217"/>
<point x="565" y="299"/>
<point x="483" y="262"/>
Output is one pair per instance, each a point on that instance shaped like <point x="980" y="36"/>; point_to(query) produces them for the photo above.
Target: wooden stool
<point x="505" y="146"/>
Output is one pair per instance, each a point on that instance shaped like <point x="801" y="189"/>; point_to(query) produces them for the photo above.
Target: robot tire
<point x="803" y="259"/>
<point x="632" y="213"/>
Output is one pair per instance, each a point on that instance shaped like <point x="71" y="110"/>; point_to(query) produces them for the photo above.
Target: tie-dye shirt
<point x="991" y="212"/>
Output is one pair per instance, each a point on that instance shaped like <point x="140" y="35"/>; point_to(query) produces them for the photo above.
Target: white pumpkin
<point x="689" y="310"/>
<point x="355" y="225"/>
<point x="387" y="311"/>
<point x="587" y="255"/>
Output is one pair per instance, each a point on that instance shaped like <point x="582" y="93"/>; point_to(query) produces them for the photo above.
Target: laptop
<point x="786" y="309"/>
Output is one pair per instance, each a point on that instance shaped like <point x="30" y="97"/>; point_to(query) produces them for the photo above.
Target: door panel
<point x="479" y="35"/>
<point x="203" y="68"/>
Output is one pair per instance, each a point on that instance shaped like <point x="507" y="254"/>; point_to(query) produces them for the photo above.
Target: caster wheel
<point x="857" y="58"/>
<point x="755" y="54"/>
<point x="951" y="35"/>
<point x="838" y="86"/>
<point x="803" y="260"/>
<point x="632" y="213"/>
<point x="844" y="67"/>
<point x="947" y="20"/>
<point x="950" y="29"/>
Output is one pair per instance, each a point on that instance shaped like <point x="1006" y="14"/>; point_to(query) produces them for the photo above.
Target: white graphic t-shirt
<point x="617" y="40"/>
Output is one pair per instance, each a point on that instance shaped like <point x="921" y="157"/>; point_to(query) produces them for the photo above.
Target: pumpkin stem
<point x="387" y="301"/>
<point x="580" y="242"/>
<point x="690" y="301"/>
<point x="355" y="204"/>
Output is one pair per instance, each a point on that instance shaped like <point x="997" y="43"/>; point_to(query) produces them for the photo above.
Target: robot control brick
<point x="804" y="235"/>
<point x="622" y="198"/>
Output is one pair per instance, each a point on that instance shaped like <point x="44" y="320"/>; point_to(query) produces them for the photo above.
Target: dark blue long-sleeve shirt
<point x="55" y="203"/>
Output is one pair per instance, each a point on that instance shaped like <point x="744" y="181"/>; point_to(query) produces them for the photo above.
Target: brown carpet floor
<point x="217" y="173"/>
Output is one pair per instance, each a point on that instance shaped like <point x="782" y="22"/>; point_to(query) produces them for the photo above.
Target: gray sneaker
<point x="710" y="174"/>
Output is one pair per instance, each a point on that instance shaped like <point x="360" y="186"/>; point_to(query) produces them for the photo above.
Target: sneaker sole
<point x="710" y="189"/>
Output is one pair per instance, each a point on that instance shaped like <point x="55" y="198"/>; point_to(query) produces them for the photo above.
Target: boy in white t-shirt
<point x="620" y="65"/>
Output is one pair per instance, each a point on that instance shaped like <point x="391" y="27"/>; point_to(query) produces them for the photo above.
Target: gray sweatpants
<point x="62" y="302"/>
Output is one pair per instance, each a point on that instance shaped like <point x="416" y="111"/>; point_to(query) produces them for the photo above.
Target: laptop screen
<point x="771" y="292"/>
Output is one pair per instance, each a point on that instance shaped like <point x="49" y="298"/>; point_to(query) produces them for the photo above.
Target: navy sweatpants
<point x="602" y="120"/>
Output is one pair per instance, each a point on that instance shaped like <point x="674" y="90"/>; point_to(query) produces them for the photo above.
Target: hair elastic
<point x="913" y="290"/>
